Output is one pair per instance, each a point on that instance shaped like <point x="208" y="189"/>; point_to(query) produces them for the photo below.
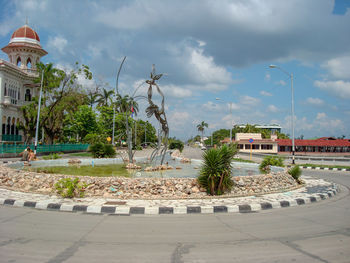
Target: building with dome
<point x="16" y="80"/>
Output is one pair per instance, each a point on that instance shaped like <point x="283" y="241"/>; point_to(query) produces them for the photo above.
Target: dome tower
<point x="24" y="49"/>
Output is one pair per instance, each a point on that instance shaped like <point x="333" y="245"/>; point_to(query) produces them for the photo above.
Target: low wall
<point x="143" y="188"/>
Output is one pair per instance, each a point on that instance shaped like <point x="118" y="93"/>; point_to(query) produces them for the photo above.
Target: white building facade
<point x="16" y="80"/>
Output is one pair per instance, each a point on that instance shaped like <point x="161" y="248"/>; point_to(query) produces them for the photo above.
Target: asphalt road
<point x="318" y="232"/>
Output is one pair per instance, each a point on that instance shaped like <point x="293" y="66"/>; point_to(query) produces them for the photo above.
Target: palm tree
<point x="104" y="98"/>
<point x="126" y="103"/>
<point x="200" y="128"/>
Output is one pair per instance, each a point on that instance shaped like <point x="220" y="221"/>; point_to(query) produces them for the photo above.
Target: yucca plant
<point x="215" y="173"/>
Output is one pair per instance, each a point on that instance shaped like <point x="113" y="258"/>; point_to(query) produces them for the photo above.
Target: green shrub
<point x="100" y="150"/>
<point x="68" y="188"/>
<point x="295" y="172"/>
<point x="265" y="166"/>
<point x="52" y="156"/>
<point x="215" y="173"/>
<point x="176" y="144"/>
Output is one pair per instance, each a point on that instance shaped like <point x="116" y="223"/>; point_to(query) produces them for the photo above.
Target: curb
<point x="324" y="168"/>
<point x="159" y="210"/>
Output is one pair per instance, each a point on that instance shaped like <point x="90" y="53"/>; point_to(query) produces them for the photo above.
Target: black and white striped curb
<point x="324" y="168"/>
<point x="157" y="210"/>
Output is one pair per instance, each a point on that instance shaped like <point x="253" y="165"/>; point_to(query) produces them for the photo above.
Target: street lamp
<point x="231" y="119"/>
<point x="290" y="75"/>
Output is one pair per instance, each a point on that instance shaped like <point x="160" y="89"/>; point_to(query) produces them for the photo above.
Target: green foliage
<point x="295" y="172"/>
<point x="215" y="173"/>
<point x="176" y="144"/>
<point x="52" y="156"/>
<point x="265" y="166"/>
<point x="68" y="188"/>
<point x="219" y="135"/>
<point x="93" y="138"/>
<point x="82" y="122"/>
<point x="100" y="150"/>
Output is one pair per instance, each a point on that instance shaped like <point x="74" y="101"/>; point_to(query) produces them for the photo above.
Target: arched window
<point x="29" y="63"/>
<point x="13" y="126"/>
<point x="5" y="92"/>
<point x="3" y="125"/>
<point x="8" y="125"/>
<point x="19" y="94"/>
<point x="17" y="124"/>
<point x="18" y="62"/>
<point x="28" y="96"/>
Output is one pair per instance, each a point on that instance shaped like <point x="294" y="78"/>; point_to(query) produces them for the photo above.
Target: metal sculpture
<point x="159" y="113"/>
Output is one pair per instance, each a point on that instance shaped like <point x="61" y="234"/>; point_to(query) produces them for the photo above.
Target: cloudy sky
<point x="208" y="50"/>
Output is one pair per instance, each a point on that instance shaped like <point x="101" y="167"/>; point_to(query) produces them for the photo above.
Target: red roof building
<point x="322" y="146"/>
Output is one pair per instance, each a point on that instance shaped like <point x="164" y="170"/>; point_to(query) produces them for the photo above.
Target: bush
<point x="215" y="173"/>
<point x="176" y="144"/>
<point x="265" y="166"/>
<point x="68" y="188"/>
<point x="295" y="172"/>
<point x="100" y="150"/>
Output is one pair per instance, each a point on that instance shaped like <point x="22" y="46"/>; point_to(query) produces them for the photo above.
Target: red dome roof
<point x="25" y="32"/>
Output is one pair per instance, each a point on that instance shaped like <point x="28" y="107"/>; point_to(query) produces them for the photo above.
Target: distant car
<point x="203" y="148"/>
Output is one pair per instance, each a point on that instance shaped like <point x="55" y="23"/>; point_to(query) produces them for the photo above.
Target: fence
<point x="15" y="149"/>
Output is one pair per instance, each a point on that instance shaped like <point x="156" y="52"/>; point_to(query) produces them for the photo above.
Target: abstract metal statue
<point x="159" y="113"/>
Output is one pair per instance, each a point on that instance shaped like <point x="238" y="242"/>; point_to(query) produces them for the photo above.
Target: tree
<point x="82" y="122"/>
<point x="201" y="127"/>
<point x="104" y="98"/>
<point x="62" y="95"/>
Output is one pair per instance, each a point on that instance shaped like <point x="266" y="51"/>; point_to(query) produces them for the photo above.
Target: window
<point x="29" y="63"/>
<point x="247" y="146"/>
<point x="18" y="62"/>
<point x="240" y="146"/>
<point x="255" y="146"/>
<point x="266" y="147"/>
<point x="5" y="92"/>
<point x="28" y="96"/>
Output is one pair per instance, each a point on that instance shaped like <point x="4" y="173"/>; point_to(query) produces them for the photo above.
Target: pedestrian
<point x="25" y="154"/>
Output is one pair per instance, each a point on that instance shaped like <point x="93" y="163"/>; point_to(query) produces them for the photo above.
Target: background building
<point x="16" y="80"/>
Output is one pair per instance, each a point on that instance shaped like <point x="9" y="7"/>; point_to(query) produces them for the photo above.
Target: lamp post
<point x="38" y="114"/>
<point x="231" y="126"/>
<point x="290" y="75"/>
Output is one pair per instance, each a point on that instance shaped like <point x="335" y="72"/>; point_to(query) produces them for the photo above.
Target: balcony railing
<point x="11" y="138"/>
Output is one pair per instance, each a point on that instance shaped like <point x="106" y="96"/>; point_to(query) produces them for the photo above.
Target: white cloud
<point x="267" y="76"/>
<point x="204" y="69"/>
<point x="337" y="88"/>
<point x="272" y="108"/>
<point x="248" y="100"/>
<point x="265" y="93"/>
<point x="315" y="101"/>
<point x="321" y="115"/>
<point x="176" y="91"/>
<point x="58" y="43"/>
<point x="339" y="67"/>
<point x="281" y="83"/>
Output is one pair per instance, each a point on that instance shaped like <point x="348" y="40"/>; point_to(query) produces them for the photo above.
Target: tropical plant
<point x="295" y="172"/>
<point x="215" y="173"/>
<point x="200" y="128"/>
<point x="176" y="144"/>
<point x="104" y="98"/>
<point x="101" y="150"/>
<point x="69" y="188"/>
<point x="265" y="166"/>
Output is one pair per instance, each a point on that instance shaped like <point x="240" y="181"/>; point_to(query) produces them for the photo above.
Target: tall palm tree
<point x="105" y="97"/>
<point x="126" y="103"/>
<point x="201" y="126"/>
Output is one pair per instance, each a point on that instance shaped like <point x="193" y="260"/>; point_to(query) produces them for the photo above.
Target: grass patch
<point x="242" y="160"/>
<point x="82" y="154"/>
<point x="325" y="166"/>
<point x="86" y="170"/>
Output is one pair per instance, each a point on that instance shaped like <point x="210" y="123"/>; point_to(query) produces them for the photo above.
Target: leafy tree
<point x="82" y="122"/>
<point x="176" y="144"/>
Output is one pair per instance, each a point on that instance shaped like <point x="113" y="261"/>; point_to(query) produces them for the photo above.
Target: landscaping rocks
<point x="143" y="188"/>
